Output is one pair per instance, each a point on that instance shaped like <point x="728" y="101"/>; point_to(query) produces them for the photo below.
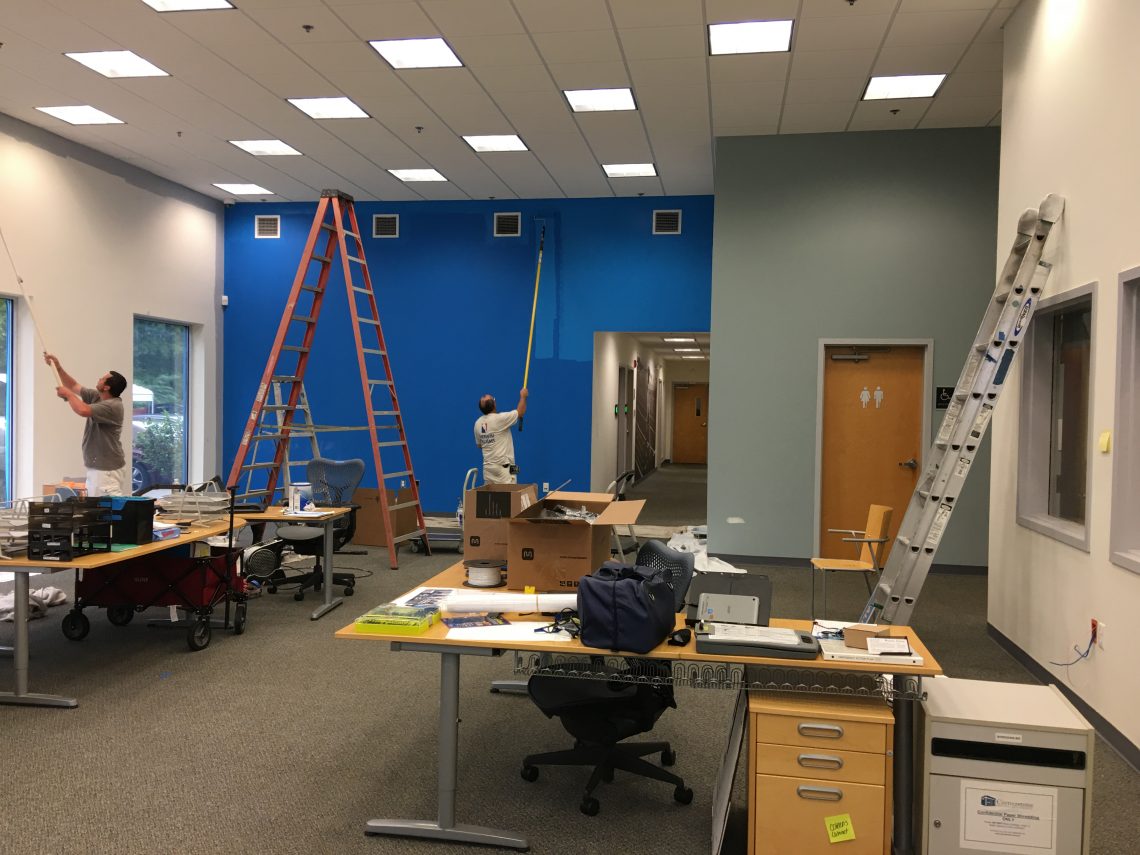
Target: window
<point x="1053" y="471"/>
<point x="160" y="393"/>
<point x="1124" y="537"/>
<point x="5" y="399"/>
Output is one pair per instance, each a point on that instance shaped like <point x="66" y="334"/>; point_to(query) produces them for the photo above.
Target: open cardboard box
<point x="370" y="525"/>
<point x="486" y="512"/>
<point x="553" y="554"/>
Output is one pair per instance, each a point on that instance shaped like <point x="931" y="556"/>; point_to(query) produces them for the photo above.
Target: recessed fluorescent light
<point x="750" y="37"/>
<point x="328" y="108"/>
<point x="598" y="100"/>
<point x="417" y="174"/>
<point x="244" y="189"/>
<point x="679" y="340"/>
<point x="186" y="5"/>
<point x="265" y="148"/>
<point x="81" y="115"/>
<point x="686" y="350"/>
<point x="117" y="63"/>
<point x="496" y="142"/>
<point x="903" y="86"/>
<point x="417" y="53"/>
<point x="692" y="357"/>
<point x="629" y="170"/>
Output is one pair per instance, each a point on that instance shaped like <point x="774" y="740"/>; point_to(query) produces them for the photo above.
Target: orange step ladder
<point x="334" y="231"/>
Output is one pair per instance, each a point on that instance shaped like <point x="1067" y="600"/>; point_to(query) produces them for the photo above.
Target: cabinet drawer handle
<point x="819" y="794"/>
<point x="820" y="761"/>
<point x="826" y="731"/>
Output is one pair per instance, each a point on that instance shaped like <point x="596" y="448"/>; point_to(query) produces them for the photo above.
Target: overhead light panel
<point x="328" y="108"/>
<point x="679" y="340"/>
<point x="686" y="350"/>
<point x="750" y="37"/>
<point x="417" y="53"/>
<point x="692" y="357"/>
<point x="244" y="189"/>
<point x="117" y="63"/>
<point x="599" y="100"/>
<point x="903" y="86"/>
<point x="629" y="170"/>
<point x="81" y="115"/>
<point x="496" y="142"/>
<point x="187" y="5"/>
<point x="417" y="174"/>
<point x="265" y="148"/>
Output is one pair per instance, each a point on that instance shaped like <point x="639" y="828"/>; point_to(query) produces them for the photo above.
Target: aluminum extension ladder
<point x="287" y="417"/>
<point x="967" y="417"/>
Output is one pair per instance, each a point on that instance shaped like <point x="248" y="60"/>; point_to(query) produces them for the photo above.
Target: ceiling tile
<point x="473" y="17"/>
<point x="663" y="42"/>
<point x="658" y="13"/>
<point x="731" y="11"/>
<point x="944" y="5"/>
<point x="373" y="21"/>
<point x="981" y="57"/>
<point x="493" y="50"/>
<point x="342" y="56"/>
<point x="847" y="90"/>
<point x="841" y="33"/>
<point x="668" y="72"/>
<point x="515" y="78"/>
<point x="636" y="187"/>
<point x="935" y="28"/>
<point x="287" y="23"/>
<point x="754" y="68"/>
<point x="731" y="105"/>
<point x="526" y="177"/>
<point x="616" y="137"/>
<point x="537" y="112"/>
<point x="758" y="129"/>
<point x="589" y="75"/>
<point x="961" y="112"/>
<point x="877" y="115"/>
<point x="560" y="16"/>
<point x="972" y="85"/>
<point x="814" y="118"/>
<point x="833" y="9"/>
<point x="579" y="46"/>
<point x="836" y="63"/>
<point x="917" y="59"/>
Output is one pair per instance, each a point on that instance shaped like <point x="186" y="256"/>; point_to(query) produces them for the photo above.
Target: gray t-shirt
<point x="102" y="448"/>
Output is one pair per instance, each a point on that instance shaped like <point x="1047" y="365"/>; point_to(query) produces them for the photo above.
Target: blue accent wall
<point x="455" y="306"/>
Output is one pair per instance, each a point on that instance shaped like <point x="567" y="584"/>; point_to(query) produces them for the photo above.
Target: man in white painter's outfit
<point x="493" y="436"/>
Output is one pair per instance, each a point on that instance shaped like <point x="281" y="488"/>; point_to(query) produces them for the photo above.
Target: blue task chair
<point x="333" y="483"/>
<point x="601" y="713"/>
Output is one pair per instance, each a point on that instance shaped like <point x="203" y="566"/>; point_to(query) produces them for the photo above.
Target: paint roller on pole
<point x="31" y="306"/>
<point x="533" y="312"/>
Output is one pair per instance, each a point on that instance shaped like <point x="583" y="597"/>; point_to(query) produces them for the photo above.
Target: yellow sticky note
<point x="1106" y="442"/>
<point x="529" y="589"/>
<point x="839" y="828"/>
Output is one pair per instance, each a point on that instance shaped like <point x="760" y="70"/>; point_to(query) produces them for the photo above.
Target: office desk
<point x="328" y="517"/>
<point x="25" y="567"/>
<point x="690" y="668"/>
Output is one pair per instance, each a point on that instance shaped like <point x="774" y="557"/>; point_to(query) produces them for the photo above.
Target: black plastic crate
<point x="64" y="546"/>
<point x="131" y="518"/>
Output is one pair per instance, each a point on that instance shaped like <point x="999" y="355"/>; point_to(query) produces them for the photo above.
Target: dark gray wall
<point x="854" y="235"/>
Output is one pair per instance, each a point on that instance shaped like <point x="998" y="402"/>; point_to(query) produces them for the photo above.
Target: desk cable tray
<point x="720" y="675"/>
<point x="194" y="505"/>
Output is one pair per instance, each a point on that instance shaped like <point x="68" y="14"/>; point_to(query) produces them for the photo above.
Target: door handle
<point x="909" y="464"/>
<point x="704" y="424"/>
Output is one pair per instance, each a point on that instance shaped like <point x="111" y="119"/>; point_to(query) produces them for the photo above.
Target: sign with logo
<point x="528" y="555"/>
<point x="1003" y="817"/>
<point x="943" y="395"/>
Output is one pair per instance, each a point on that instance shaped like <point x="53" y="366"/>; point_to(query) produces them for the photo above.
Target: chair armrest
<point x="845" y="531"/>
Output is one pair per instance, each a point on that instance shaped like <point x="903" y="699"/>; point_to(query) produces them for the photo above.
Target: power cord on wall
<point x="1077" y="650"/>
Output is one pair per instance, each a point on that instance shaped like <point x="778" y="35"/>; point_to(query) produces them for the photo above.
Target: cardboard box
<point x="553" y="554"/>
<point x="857" y="634"/>
<point x="370" y="526"/>
<point x="486" y="512"/>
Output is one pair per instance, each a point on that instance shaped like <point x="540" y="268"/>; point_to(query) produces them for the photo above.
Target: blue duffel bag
<point x="625" y="608"/>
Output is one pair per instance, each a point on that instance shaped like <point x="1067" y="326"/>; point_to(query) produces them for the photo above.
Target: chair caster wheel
<point x="529" y="773"/>
<point x="590" y="806"/>
<point x="349" y="591"/>
<point x="683" y="795"/>
<point x="608" y="776"/>
<point x="272" y="589"/>
<point x="300" y="595"/>
<point x="75" y="626"/>
<point x="668" y="757"/>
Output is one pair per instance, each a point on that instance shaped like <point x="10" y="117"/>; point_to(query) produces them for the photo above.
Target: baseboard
<point x="782" y="561"/>
<point x="1117" y="741"/>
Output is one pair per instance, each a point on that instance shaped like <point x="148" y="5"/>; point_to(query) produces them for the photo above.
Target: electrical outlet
<point x="1100" y="628"/>
<point x="403" y="483"/>
<point x="546" y="486"/>
<point x="1093" y="630"/>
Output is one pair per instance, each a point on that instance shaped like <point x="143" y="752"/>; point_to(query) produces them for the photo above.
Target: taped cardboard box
<point x="370" y="526"/>
<point x="486" y="513"/>
<point x="857" y="634"/>
<point x="552" y="554"/>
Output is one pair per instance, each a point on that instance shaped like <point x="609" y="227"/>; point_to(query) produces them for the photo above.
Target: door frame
<point x="672" y="411"/>
<point x="927" y="396"/>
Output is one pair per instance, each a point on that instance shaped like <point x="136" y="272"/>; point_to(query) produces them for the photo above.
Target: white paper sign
<point x="1003" y="817"/>
<point x="888" y="645"/>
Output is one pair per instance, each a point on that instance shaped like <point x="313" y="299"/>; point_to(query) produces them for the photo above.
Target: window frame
<point x="1035" y="421"/>
<point x="187" y="388"/>
<point x="1124" y="536"/>
<point x="8" y="306"/>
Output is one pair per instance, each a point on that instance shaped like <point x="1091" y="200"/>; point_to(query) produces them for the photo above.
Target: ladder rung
<point x="379" y="382"/>
<point x="399" y="505"/>
<point x="414" y="535"/>
<point x="391" y="443"/>
<point x="299" y="348"/>
<point x="372" y="321"/>
<point x="315" y="289"/>
<point x="258" y="466"/>
<point x="254" y="493"/>
<point x="354" y="258"/>
<point x="397" y="474"/>
<point x="374" y="351"/>
<point x="284" y="378"/>
<point x="323" y="259"/>
<point x="360" y="290"/>
<point x="305" y="319"/>
<point x="385" y="412"/>
<point x="280" y="407"/>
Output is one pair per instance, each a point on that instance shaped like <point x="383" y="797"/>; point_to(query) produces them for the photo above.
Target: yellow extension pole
<point x="31" y="305"/>
<point x="533" y="313"/>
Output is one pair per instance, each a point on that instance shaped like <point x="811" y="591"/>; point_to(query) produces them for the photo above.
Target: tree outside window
<point x="160" y="394"/>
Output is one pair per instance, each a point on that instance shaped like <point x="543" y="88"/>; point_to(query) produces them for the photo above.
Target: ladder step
<point x="379" y="382"/>
<point x="374" y="323"/>
<point x="284" y="378"/>
<point x="323" y="259"/>
<point x="297" y="348"/>
<point x="399" y="505"/>
<point x="360" y="290"/>
<point x="373" y="350"/>
<point x="385" y="412"/>
<point x="304" y="319"/>
<point x="254" y="493"/>
<point x="280" y="407"/>
<point x="396" y="474"/>
<point x="414" y="535"/>
<point x="258" y="466"/>
<point x="315" y="289"/>
<point x="354" y="258"/>
<point x="390" y="443"/>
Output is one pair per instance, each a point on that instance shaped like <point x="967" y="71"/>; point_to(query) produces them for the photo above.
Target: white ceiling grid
<point x="232" y="70"/>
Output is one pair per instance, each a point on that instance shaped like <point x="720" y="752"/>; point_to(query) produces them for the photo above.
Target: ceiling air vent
<point x="385" y="225"/>
<point x="508" y="225"/>
<point x="267" y="226"/>
<point x="666" y="222"/>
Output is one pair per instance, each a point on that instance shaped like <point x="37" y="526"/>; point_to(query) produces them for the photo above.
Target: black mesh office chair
<point x="333" y="483"/>
<point x="600" y="714"/>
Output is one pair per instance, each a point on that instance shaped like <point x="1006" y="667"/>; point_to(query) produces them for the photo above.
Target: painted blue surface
<point x="455" y="306"/>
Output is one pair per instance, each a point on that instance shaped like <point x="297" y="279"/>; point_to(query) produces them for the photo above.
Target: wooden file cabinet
<point x="813" y="757"/>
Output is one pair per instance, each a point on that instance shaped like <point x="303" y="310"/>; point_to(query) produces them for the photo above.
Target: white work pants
<point x="109" y="482"/>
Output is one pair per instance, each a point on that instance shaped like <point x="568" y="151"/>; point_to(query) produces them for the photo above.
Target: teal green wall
<point x="857" y="235"/>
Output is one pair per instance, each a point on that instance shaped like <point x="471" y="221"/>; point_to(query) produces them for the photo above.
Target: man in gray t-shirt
<point x="107" y="470"/>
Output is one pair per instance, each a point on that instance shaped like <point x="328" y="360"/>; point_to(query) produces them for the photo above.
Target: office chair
<point x="333" y="483"/>
<point x="601" y="714"/>
<point x="870" y="553"/>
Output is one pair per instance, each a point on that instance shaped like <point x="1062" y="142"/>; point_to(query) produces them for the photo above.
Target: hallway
<point x="676" y="494"/>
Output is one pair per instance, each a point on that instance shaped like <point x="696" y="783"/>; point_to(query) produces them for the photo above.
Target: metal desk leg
<point x="445" y="828"/>
<point x="21" y="696"/>
<point x="329" y="603"/>
<point x="905" y="711"/>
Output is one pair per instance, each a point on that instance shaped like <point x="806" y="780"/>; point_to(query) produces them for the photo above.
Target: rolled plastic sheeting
<point x="465" y="602"/>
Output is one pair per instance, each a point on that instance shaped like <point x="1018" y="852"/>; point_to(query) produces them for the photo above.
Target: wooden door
<point x="623" y="421"/>
<point x="872" y="439"/>
<point x="691" y="423"/>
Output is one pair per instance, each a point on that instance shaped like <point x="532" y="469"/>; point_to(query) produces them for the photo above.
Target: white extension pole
<point x="31" y="306"/>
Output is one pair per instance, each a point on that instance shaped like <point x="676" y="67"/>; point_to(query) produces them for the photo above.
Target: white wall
<point x="676" y="371"/>
<point x="96" y="242"/>
<point x="1070" y="126"/>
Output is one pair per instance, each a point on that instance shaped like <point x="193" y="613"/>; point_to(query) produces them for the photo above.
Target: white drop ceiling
<point x="231" y="71"/>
